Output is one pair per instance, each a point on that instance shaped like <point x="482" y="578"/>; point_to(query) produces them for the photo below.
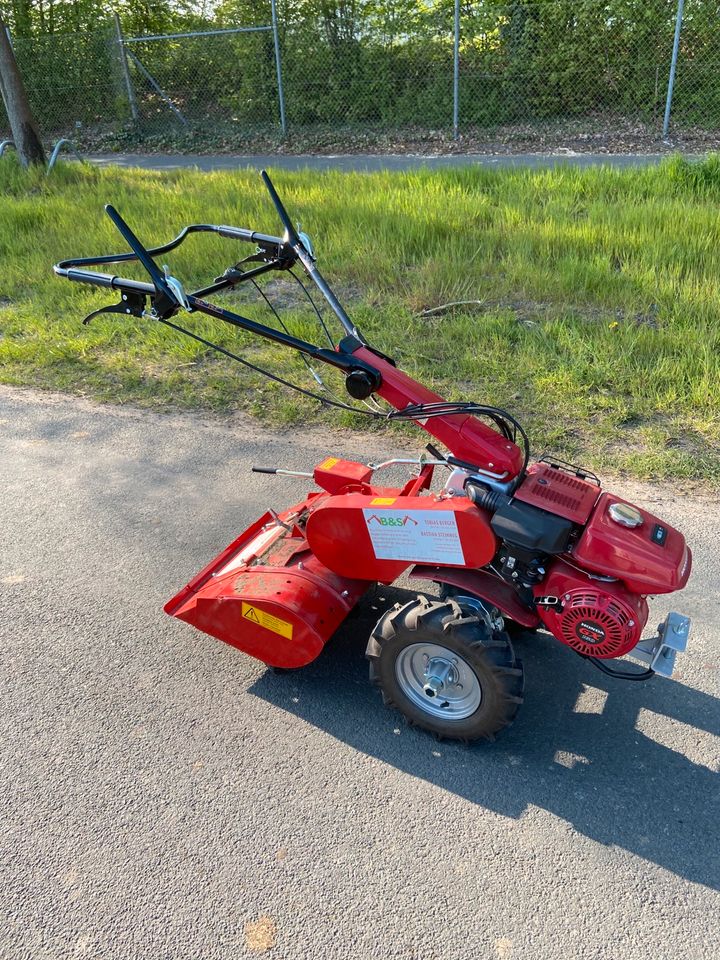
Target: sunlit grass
<point x="599" y="289"/>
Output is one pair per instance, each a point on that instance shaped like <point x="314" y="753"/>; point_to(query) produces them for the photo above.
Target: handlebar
<point x="167" y="295"/>
<point x="263" y="240"/>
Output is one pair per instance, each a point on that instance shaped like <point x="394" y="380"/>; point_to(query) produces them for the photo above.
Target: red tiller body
<point x="379" y="537"/>
<point x="464" y="435"/>
<point x="281" y="589"/>
<point x="284" y="586"/>
<point x="534" y="543"/>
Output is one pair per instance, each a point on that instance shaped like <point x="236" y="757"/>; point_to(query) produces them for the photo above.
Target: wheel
<point x="446" y="669"/>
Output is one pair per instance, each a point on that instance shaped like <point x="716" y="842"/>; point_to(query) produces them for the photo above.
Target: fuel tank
<point x="650" y="558"/>
<point x="379" y="537"/>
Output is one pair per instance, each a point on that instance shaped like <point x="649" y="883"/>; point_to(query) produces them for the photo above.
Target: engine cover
<point x="595" y="618"/>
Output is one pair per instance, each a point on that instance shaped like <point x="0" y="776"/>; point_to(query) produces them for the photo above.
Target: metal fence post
<point x="276" y="40"/>
<point x="125" y="68"/>
<point x="456" y="72"/>
<point x="673" y="65"/>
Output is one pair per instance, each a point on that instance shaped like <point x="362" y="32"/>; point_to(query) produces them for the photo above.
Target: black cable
<point x="412" y="412"/>
<point x="617" y="674"/>
<point x="315" y="375"/>
<point x="282" y="323"/>
<point x="424" y="411"/>
<point x="314" y="306"/>
<point x="271" y="376"/>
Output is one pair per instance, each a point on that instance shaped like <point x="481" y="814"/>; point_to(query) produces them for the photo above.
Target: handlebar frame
<point x="271" y="253"/>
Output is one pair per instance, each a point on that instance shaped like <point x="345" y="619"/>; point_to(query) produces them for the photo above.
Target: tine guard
<point x="268" y="595"/>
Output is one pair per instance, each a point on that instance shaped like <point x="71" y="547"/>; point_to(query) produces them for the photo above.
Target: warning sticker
<point x="383" y="501"/>
<point x="267" y="620"/>
<point x="328" y="464"/>
<point x="425" y="536"/>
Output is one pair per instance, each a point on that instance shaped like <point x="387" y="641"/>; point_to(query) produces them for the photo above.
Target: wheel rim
<point x="438" y="681"/>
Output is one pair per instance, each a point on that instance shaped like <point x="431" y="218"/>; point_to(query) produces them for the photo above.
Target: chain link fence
<point x="532" y="75"/>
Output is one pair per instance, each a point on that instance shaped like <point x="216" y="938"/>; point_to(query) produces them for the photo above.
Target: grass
<point x="600" y="295"/>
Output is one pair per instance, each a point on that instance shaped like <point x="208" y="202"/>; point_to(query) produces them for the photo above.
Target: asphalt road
<point x="369" y="162"/>
<point x="164" y="796"/>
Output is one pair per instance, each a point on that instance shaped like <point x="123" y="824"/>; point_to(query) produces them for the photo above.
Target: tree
<point x="22" y="123"/>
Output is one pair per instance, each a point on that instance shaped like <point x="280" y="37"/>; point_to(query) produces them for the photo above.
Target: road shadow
<point x="596" y="770"/>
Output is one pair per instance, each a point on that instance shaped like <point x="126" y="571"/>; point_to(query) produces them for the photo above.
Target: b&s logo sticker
<point x="422" y="536"/>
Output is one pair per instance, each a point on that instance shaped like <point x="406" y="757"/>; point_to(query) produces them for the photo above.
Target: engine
<point x="553" y="513"/>
<point x="595" y="618"/>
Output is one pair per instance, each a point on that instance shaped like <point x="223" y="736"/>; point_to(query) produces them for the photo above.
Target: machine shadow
<point x="596" y="770"/>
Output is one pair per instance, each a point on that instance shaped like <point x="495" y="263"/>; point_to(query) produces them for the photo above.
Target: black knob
<point x="359" y="384"/>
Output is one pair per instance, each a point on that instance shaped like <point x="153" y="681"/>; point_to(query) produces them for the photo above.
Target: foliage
<point x="372" y="63"/>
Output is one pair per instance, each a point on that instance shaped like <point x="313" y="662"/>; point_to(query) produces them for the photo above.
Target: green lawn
<point x="600" y="295"/>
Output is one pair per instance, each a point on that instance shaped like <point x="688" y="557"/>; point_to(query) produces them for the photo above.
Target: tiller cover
<point x="267" y="595"/>
<point x="284" y="586"/>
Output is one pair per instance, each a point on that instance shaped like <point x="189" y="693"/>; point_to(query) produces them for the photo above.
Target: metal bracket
<point x="306" y="241"/>
<point x="177" y="289"/>
<point x="659" y="652"/>
<point x="131" y="303"/>
<point x="549" y="603"/>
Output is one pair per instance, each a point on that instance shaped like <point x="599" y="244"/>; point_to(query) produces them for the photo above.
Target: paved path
<point x="164" y="796"/>
<point x="370" y="162"/>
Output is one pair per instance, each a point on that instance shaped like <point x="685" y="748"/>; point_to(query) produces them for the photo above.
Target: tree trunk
<point x="22" y="123"/>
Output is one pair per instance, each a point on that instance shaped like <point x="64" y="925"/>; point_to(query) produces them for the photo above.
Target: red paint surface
<point x="289" y="583"/>
<point x="334" y="475"/>
<point x="620" y="613"/>
<point x="558" y="492"/>
<point x="479" y="583"/>
<point x="464" y="435"/>
<point x="338" y="535"/>
<point x="607" y="547"/>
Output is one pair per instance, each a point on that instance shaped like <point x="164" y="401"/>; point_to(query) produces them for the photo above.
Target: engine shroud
<point x="595" y="618"/>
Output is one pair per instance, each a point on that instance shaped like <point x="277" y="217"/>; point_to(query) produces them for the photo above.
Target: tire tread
<point x="445" y="621"/>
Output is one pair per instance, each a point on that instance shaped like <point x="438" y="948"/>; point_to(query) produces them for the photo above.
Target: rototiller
<point x="504" y="541"/>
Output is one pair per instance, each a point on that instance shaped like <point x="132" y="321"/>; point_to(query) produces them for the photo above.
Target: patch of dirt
<point x="596" y="134"/>
<point x="260" y="934"/>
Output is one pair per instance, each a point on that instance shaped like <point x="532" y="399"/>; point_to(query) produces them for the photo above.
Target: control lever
<point x="169" y="294"/>
<point x="132" y="304"/>
<point x="278" y="472"/>
<point x="177" y="289"/>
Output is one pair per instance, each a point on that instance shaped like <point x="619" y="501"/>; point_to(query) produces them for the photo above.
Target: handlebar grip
<point x="234" y="233"/>
<point x="91" y="277"/>
<point x="463" y="464"/>
<point x="264" y="469"/>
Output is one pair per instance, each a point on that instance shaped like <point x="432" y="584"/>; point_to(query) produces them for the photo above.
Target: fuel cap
<point x="625" y="515"/>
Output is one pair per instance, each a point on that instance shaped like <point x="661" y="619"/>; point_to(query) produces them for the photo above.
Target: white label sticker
<point x="425" y="536"/>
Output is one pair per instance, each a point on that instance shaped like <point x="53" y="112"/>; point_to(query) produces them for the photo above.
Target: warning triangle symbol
<point x="251" y="615"/>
